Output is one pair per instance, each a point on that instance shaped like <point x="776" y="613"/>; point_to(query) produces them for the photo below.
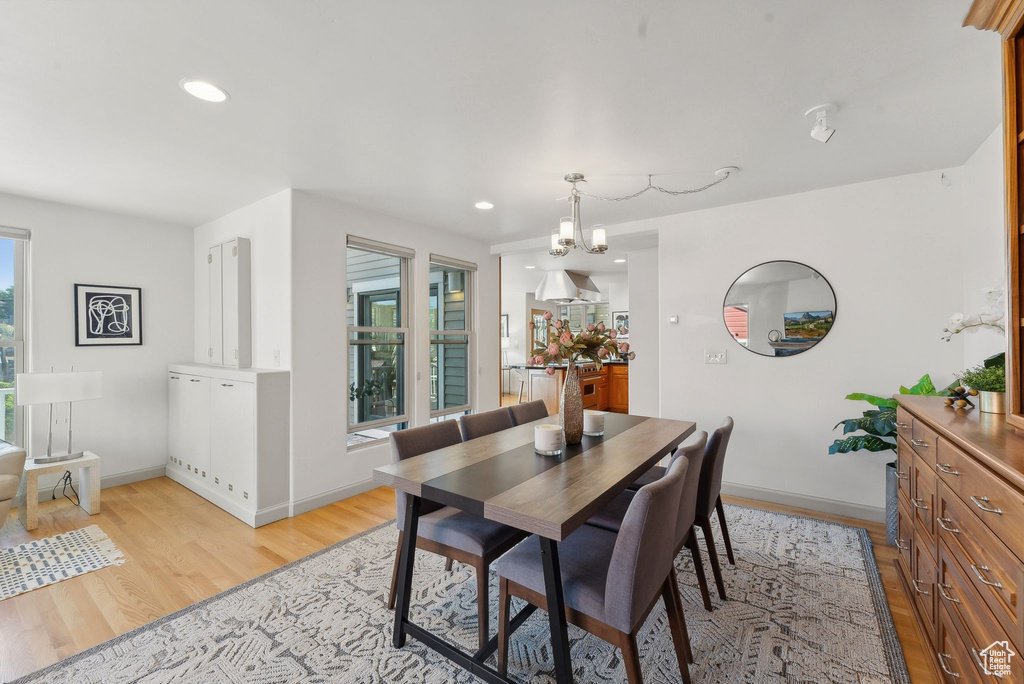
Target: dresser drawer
<point x="923" y="500"/>
<point x="924" y="441"/>
<point x="995" y="573"/>
<point x="904" y="423"/>
<point x="905" y="538"/>
<point x="922" y="584"/>
<point x="952" y="653"/>
<point x="904" y="466"/>
<point x="997" y="504"/>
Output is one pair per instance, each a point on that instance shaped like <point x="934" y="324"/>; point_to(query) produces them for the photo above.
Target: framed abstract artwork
<point x="107" y="316"/>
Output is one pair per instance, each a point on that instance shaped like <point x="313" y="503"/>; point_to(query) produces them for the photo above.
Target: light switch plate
<point x="716" y="356"/>
<point x="674" y="320"/>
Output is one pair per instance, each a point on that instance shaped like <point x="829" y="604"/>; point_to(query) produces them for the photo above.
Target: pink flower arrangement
<point x="594" y="343"/>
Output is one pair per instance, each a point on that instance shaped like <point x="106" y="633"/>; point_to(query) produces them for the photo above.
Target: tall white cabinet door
<point x="177" y="428"/>
<point x="195" y="416"/>
<point x="229" y="258"/>
<point x="215" y="264"/>
<point x="232" y="439"/>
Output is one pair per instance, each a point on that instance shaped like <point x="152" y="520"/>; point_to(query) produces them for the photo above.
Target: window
<point x="451" y="328"/>
<point x="13" y="248"/>
<point x="377" y="278"/>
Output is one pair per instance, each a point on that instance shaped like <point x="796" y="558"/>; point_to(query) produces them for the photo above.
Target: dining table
<point x="501" y="477"/>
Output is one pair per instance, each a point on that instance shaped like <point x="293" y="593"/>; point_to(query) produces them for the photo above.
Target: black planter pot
<point x="892" y="492"/>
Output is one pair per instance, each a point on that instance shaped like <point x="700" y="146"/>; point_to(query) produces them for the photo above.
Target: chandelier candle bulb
<point x="593" y="423"/>
<point x="600" y="240"/>
<point x="547" y="440"/>
<point x="566" y="231"/>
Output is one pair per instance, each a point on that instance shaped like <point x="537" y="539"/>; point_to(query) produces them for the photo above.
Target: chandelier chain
<point x="652" y="186"/>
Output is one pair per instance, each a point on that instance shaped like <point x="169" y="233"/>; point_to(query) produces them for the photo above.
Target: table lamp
<point x="53" y="388"/>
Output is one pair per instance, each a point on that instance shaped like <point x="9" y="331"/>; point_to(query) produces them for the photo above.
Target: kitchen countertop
<point x="523" y="366"/>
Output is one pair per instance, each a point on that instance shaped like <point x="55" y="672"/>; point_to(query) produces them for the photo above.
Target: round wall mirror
<point x="779" y="308"/>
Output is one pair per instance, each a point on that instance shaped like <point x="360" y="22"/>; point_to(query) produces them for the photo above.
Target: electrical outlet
<point x="715" y="356"/>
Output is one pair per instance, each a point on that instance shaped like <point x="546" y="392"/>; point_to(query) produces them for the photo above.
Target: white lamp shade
<point x="566" y="228"/>
<point x="54" y="388"/>
<point x="600" y="240"/>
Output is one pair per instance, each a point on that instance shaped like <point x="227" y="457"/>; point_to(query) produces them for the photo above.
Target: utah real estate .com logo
<point x="995" y="659"/>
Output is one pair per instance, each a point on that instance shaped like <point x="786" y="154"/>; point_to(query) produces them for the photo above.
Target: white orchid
<point x="989" y="316"/>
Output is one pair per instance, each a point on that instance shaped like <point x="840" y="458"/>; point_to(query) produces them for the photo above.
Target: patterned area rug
<point x="51" y="560"/>
<point x="805" y="605"/>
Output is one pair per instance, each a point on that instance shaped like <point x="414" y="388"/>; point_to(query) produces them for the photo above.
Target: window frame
<point x="404" y="329"/>
<point x="437" y="334"/>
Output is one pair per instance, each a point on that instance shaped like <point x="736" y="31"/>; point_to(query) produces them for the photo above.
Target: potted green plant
<point x="876" y="431"/>
<point x="989" y="378"/>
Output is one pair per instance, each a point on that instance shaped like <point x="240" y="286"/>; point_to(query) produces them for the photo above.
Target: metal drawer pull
<point x="978" y="569"/>
<point x="942" y="663"/>
<point x="980" y="502"/>
<point x="193" y="380"/>
<point x="943" y="588"/>
<point x="917" y="588"/>
<point x="976" y="654"/>
<point x="224" y="384"/>
<point x="902" y="475"/>
<point x="175" y="377"/>
<point x="902" y="426"/>
<point x="947" y="468"/>
<point x="900" y="542"/>
<point x="942" y="523"/>
<point x="919" y="442"/>
<point x="919" y="505"/>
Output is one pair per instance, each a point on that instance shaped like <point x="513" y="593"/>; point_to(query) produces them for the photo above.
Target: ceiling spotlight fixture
<point x="620" y="261"/>
<point x="484" y="205"/>
<point x="820" y="131"/>
<point x="569" y="234"/>
<point x="203" y="90"/>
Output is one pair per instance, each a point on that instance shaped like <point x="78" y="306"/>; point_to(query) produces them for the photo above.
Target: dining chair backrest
<point x="413" y="442"/>
<point x="644" y="549"/>
<point x="528" y="412"/>
<point x="711" y="471"/>
<point x="479" y="424"/>
<point x="693" y="453"/>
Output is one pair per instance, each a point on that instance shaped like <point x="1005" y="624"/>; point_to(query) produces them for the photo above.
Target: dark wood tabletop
<point x="502" y="478"/>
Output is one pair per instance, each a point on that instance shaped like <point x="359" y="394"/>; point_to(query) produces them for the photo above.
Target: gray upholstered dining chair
<point x="610" y="582"/>
<point x="448" y="531"/>
<point x="12" y="464"/>
<point x="709" y="498"/>
<point x="610" y="517"/>
<point x="479" y="424"/>
<point x="528" y="412"/>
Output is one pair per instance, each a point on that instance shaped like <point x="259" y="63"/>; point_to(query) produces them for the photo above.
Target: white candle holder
<point x="593" y="423"/>
<point x="547" y="439"/>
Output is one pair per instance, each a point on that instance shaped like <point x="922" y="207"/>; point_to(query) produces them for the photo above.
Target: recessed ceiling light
<point x="203" y="90"/>
<point x="620" y="261"/>
<point x="483" y="205"/>
<point x="530" y="267"/>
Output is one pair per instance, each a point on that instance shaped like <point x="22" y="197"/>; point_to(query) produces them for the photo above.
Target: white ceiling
<point x="419" y="109"/>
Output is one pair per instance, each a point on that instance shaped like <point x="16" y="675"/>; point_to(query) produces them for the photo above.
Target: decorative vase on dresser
<point x="570" y="407"/>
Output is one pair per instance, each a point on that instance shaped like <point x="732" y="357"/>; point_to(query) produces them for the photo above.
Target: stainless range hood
<point x="567" y="287"/>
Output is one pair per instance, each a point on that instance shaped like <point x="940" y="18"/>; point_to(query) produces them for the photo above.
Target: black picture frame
<point x="108" y="316"/>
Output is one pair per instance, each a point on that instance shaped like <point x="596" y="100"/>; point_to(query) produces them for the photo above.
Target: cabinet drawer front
<point x="990" y="568"/>
<point x="904" y="424"/>
<point x="923" y="501"/>
<point x="922" y="584"/>
<point x="904" y="466"/>
<point x="997" y="504"/>
<point x="925" y="441"/>
<point x="955" y="590"/>
<point x="953" y="655"/>
<point x="905" y="537"/>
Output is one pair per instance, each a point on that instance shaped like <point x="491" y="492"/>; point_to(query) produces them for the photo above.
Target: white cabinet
<point x="228" y="438"/>
<point x="230" y="279"/>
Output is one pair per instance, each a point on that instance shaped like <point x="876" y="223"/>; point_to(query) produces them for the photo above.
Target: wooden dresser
<point x="961" y="534"/>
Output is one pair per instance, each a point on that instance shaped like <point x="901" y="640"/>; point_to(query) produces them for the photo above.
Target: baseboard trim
<point x="115" y="480"/>
<point x="815" y="503"/>
<point x="300" y="506"/>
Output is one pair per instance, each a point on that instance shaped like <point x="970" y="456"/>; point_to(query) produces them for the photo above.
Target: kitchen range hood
<point x="567" y="287"/>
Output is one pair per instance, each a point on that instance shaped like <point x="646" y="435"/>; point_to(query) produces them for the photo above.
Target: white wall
<point x="982" y="240"/>
<point x="128" y="426"/>
<point x="322" y="468"/>
<point x="644" y="322"/>
<point x="267" y="224"/>
<point x="885" y="246"/>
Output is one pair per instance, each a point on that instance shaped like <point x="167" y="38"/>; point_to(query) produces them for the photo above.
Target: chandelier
<point x="569" y="234"/>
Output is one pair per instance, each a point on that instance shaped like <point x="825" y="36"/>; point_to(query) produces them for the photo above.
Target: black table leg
<point x="556" y="611"/>
<point x="405" y="563"/>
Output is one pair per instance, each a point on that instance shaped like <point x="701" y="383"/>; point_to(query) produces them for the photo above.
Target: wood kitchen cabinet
<point x="618" y="388"/>
<point x="602" y="389"/>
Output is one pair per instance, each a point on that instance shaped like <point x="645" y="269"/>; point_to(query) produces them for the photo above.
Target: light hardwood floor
<point x="182" y="549"/>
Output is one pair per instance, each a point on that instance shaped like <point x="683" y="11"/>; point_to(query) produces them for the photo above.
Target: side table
<point x="88" y="484"/>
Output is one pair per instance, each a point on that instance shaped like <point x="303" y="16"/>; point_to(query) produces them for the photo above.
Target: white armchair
<point x="12" y="464"/>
